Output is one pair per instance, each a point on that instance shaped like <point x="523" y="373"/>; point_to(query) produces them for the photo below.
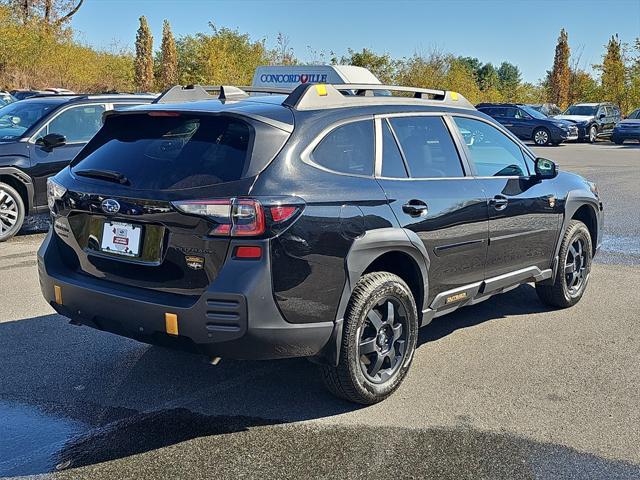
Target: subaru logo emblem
<point x="110" y="206"/>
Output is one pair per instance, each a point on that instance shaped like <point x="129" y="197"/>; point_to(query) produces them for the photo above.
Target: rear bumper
<point x="236" y="317"/>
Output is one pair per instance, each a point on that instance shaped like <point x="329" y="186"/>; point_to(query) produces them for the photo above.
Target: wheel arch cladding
<point x="14" y="178"/>
<point x="587" y="215"/>
<point x="378" y="249"/>
<point x="19" y="187"/>
<point x="584" y="206"/>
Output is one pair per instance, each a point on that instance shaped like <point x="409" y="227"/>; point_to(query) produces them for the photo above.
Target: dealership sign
<point x="293" y="78"/>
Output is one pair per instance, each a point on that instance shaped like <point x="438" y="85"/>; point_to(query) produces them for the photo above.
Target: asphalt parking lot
<point x="503" y="389"/>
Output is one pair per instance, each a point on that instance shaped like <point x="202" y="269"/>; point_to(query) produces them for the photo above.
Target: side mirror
<point x="545" y="168"/>
<point x="52" y="141"/>
<point x="601" y="116"/>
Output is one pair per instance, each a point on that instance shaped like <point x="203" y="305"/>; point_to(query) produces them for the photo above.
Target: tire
<point x="617" y="141"/>
<point x="11" y="212"/>
<point x="592" y="134"/>
<point x="572" y="271"/>
<point x="541" y="136"/>
<point x="371" y="333"/>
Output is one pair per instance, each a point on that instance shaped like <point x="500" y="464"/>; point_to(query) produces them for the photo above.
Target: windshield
<point x="18" y="117"/>
<point x="588" y="110"/>
<point x="533" y="112"/>
<point x="635" y="114"/>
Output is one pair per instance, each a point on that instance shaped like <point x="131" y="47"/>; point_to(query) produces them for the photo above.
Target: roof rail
<point x="322" y="96"/>
<point x="191" y="93"/>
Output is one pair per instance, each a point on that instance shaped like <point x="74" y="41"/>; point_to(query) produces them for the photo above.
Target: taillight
<point x="235" y="217"/>
<point x="247" y="218"/>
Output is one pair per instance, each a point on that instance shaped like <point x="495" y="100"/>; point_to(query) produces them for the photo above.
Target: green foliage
<point x="168" y="58"/>
<point x="40" y="56"/>
<point x="614" y="74"/>
<point x="382" y="66"/>
<point x="509" y="79"/>
<point x="224" y="56"/>
<point x="143" y="64"/>
<point x="559" y="77"/>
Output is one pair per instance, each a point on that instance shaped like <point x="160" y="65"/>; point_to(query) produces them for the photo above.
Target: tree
<point x="382" y="66"/>
<point x="222" y="57"/>
<point x="560" y="75"/>
<point x="488" y="77"/>
<point x="168" y="58"/>
<point x="613" y="74"/>
<point x="144" y="57"/>
<point x="509" y="79"/>
<point x="50" y="12"/>
<point x="283" y="53"/>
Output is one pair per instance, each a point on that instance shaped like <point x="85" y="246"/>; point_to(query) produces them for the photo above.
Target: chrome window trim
<point x="305" y="156"/>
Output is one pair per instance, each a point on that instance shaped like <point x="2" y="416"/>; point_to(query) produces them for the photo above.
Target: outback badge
<point x="194" y="263"/>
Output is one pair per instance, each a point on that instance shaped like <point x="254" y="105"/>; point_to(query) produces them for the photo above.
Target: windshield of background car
<point x="635" y="114"/>
<point x="177" y="152"/>
<point x="587" y="110"/>
<point x="18" y="117"/>
<point x="534" y="113"/>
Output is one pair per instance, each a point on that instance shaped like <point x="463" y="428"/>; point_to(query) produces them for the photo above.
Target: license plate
<point x="121" y="238"/>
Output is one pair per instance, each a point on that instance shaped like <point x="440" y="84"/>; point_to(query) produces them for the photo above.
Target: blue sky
<point x="521" y="32"/>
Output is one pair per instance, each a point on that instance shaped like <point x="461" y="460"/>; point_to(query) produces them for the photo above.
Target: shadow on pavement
<point x="95" y="405"/>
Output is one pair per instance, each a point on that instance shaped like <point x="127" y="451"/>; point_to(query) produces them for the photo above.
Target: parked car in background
<point x="22" y="94"/>
<point x="548" y="109"/>
<point x="38" y="137"/>
<point x="6" y="98"/>
<point x="627" y="129"/>
<point x="317" y="225"/>
<point x="594" y="120"/>
<point x="529" y="124"/>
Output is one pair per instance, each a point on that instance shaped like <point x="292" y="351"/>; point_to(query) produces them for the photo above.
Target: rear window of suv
<point x="171" y="152"/>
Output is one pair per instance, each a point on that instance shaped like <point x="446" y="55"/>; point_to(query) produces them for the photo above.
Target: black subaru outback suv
<point x="38" y="138"/>
<point x="330" y="223"/>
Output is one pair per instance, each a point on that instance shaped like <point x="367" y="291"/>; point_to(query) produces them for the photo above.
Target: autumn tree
<point x="613" y="74"/>
<point x="144" y="57"/>
<point x="382" y="66"/>
<point x="560" y="75"/>
<point x="168" y="58"/>
<point x="50" y="12"/>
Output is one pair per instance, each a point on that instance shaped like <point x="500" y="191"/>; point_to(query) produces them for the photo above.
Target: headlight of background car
<point x="55" y="191"/>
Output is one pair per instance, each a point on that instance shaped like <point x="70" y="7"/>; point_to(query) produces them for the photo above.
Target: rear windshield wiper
<point x="108" y="175"/>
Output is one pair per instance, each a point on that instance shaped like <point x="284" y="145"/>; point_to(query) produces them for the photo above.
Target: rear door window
<point x="427" y="146"/>
<point x="347" y="149"/>
<point x="171" y="152"/>
<point x="78" y="124"/>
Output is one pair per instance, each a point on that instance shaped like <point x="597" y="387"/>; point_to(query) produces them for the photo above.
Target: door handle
<point x="499" y="202"/>
<point x="415" y="208"/>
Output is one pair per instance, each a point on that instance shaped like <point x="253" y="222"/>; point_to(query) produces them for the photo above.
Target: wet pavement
<point x="505" y="389"/>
